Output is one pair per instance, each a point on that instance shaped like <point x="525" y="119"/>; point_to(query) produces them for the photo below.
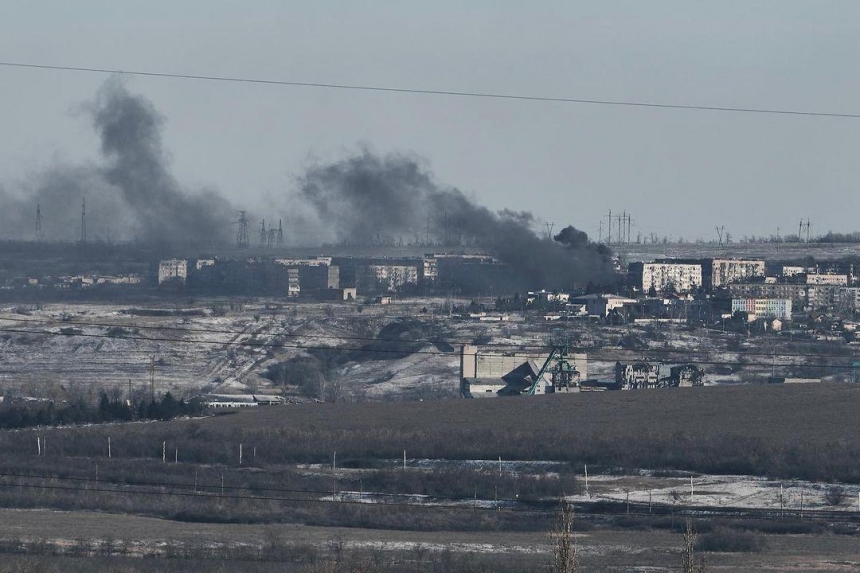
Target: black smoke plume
<point x="130" y="194"/>
<point x="369" y="199"/>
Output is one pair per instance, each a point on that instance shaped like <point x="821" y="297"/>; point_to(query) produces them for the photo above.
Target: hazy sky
<point x="678" y="172"/>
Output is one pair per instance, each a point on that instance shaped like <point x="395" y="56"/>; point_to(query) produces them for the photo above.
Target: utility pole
<point x="629" y="223"/>
<point x="152" y="379"/>
<point x="280" y="238"/>
<point x="549" y="227"/>
<point x="609" y="233"/>
<point x="38" y="222"/>
<point x="263" y="233"/>
<point x="242" y="232"/>
<point x="84" y="220"/>
<point x="600" y="232"/>
<point x="624" y="228"/>
<point x="620" y="227"/>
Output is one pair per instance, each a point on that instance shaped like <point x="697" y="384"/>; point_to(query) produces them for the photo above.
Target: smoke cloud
<point x="130" y="194"/>
<point x="372" y="199"/>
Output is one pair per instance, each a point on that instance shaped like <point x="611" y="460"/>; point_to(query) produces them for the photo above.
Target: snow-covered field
<point x="54" y="350"/>
<point x="716" y="491"/>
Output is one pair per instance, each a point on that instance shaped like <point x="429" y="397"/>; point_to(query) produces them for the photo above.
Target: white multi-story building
<point x="826" y="279"/>
<point x="172" y="269"/>
<point x="385" y="277"/>
<point x="725" y="271"/>
<point x="306" y="262"/>
<point x="430" y="269"/>
<point x="294" y="286"/>
<point x="662" y="276"/>
<point x="850" y="298"/>
<point x="792" y="271"/>
<point x="763" y="307"/>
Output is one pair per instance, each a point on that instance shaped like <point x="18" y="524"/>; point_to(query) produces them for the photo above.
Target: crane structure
<point x="563" y="375"/>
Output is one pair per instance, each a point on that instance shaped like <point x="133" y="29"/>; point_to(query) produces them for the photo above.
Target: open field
<point x="604" y="548"/>
<point x="770" y="412"/>
<point x="405" y="517"/>
<point x="805" y="431"/>
<point x="284" y="507"/>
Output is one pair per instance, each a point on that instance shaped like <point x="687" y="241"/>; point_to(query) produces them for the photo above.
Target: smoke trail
<point x="130" y="131"/>
<point x="368" y="199"/>
<point x="130" y="194"/>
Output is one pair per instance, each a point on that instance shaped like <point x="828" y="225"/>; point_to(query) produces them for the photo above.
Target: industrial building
<point x="491" y="374"/>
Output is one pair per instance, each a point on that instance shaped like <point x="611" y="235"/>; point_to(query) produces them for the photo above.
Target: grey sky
<point x="677" y="172"/>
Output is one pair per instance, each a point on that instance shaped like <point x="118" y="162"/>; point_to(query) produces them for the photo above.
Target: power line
<point x="248" y="344"/>
<point x="450" y="342"/>
<point x="216" y="496"/>
<point x="499" y="505"/>
<point x="610" y="358"/>
<point x="416" y="91"/>
<point x="201" y="487"/>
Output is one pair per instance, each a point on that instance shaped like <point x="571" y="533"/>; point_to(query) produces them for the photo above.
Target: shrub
<point x="729" y="541"/>
<point x="834" y="495"/>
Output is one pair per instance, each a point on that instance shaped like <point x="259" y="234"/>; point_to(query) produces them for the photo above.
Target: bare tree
<point x="690" y="564"/>
<point x="564" y="546"/>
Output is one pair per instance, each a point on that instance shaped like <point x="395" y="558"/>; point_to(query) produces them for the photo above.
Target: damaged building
<point x="637" y="375"/>
<point x="686" y="376"/>
<point x="310" y="275"/>
<point x="491" y="374"/>
<point x="172" y="270"/>
<point x="385" y="278"/>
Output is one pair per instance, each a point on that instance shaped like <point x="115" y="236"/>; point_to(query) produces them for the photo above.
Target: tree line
<point x="18" y="415"/>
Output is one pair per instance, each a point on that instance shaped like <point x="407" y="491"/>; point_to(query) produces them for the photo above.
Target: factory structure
<point x="491" y="374"/>
<point x="485" y="374"/>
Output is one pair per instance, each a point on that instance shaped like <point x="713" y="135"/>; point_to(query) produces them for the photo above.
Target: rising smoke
<point x="363" y="199"/>
<point x="130" y="194"/>
<point x="368" y="199"/>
